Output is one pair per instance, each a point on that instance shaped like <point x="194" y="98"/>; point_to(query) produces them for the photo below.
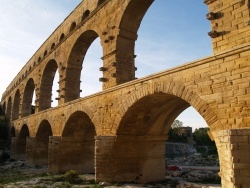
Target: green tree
<point x="175" y="132"/>
<point x="176" y="124"/>
<point x="3" y="126"/>
<point x="201" y="137"/>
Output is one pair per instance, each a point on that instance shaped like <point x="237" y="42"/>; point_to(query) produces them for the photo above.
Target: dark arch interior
<point x="9" y="107"/>
<point x="15" y="113"/>
<point x="85" y="15"/>
<point x="4" y="107"/>
<point x="27" y="107"/>
<point x="73" y="71"/>
<point x="46" y="85"/>
<point x="100" y="2"/>
<point x="72" y="27"/>
<point x="78" y="139"/>
<point x="61" y="37"/>
<point x="42" y="143"/>
<point x="53" y="46"/>
<point x="21" y="147"/>
<point x="12" y="132"/>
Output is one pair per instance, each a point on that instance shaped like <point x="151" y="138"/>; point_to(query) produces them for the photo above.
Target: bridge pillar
<point x="129" y="159"/>
<point x="234" y="150"/>
<point x="37" y="151"/>
<point x="13" y="149"/>
<point x="30" y="147"/>
<point x="68" y="153"/>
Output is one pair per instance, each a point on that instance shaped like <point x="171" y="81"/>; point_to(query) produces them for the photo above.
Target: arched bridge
<point x="119" y="134"/>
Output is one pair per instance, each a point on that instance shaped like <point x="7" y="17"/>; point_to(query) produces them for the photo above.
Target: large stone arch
<point x="27" y="98"/>
<point x="22" y="141"/>
<point x="41" y="143"/>
<point x="74" y="64"/>
<point x="16" y="105"/>
<point x="77" y="143"/>
<point x="46" y="85"/>
<point x="143" y="127"/>
<point x="175" y="89"/>
<point x="9" y="108"/>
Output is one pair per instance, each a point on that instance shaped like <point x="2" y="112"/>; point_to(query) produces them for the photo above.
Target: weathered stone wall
<point x="230" y="21"/>
<point x="234" y="151"/>
<point x="217" y="87"/>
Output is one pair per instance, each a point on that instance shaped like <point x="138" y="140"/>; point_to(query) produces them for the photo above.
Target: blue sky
<point x="171" y="33"/>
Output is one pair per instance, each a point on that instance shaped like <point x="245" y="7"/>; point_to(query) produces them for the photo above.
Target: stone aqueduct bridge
<point x="119" y="133"/>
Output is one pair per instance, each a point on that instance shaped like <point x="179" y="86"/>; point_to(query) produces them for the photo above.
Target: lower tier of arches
<point x="129" y="158"/>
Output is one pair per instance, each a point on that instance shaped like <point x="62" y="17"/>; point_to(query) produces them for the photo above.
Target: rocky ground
<point x="18" y="174"/>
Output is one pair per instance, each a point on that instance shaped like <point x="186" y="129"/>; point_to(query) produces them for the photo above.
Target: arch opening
<point x="4" y="107"/>
<point x="171" y="47"/>
<point x="85" y="15"/>
<point x="78" y="139"/>
<point x="72" y="26"/>
<point x="48" y="84"/>
<point x="28" y="98"/>
<point x="75" y="64"/>
<point x="40" y="156"/>
<point x="100" y="2"/>
<point x="52" y="46"/>
<point x="12" y="132"/>
<point x="22" y="141"/>
<point x="61" y="37"/>
<point x="91" y="64"/>
<point x="16" y="105"/>
<point x="143" y="131"/>
<point x="9" y="108"/>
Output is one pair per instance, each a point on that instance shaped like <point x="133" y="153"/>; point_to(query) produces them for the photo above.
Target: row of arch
<point x="78" y="127"/>
<point x="20" y="105"/>
<point x="142" y="130"/>
<point x="53" y="45"/>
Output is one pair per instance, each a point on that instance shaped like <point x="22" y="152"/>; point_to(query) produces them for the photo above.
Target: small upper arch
<point x="46" y="84"/>
<point x="53" y="46"/>
<point x="72" y="26"/>
<point x="28" y="98"/>
<point x="16" y="105"/>
<point x="85" y="14"/>
<point x="100" y="2"/>
<point x="62" y="36"/>
<point x="9" y="108"/>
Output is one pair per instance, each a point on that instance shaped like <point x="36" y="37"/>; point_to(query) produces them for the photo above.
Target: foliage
<point x="175" y="133"/>
<point x="175" y="136"/>
<point x="201" y="137"/>
<point x="3" y="126"/>
<point x="71" y="177"/>
<point x="204" y="144"/>
<point x="176" y="124"/>
<point x="12" y="176"/>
